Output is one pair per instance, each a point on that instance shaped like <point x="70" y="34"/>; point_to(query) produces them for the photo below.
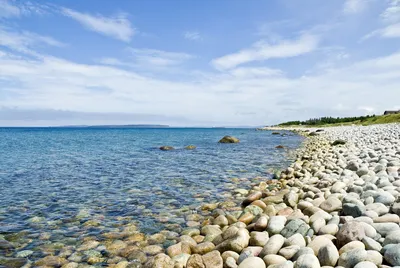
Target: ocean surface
<point x="68" y="183"/>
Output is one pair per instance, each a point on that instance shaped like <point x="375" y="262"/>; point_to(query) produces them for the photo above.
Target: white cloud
<point x="10" y="8"/>
<point x="118" y="27"/>
<point x="192" y="36"/>
<point x="261" y="51"/>
<point x="246" y="72"/>
<point x="111" y="61"/>
<point x="391" y="17"/>
<point x="354" y="6"/>
<point x="390" y="31"/>
<point x="158" y="57"/>
<point x="392" y="12"/>
<point x="25" y="41"/>
<point x="241" y="96"/>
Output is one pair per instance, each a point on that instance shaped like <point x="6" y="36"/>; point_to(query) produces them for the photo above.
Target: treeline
<point x="328" y="120"/>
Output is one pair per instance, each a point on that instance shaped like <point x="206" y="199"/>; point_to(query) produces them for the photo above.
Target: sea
<point x="53" y="181"/>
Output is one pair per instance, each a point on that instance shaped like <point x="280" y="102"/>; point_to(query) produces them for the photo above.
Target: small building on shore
<point x="391" y="112"/>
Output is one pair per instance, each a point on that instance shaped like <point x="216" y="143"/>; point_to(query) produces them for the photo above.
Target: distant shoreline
<point x="130" y="127"/>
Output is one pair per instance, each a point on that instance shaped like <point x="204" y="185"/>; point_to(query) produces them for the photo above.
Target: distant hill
<point x="120" y="126"/>
<point x="332" y="121"/>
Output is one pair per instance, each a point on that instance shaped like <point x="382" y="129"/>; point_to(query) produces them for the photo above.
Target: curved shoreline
<point x="89" y="243"/>
<point x="334" y="206"/>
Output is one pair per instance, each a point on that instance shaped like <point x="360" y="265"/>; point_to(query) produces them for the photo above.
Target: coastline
<point x="336" y="205"/>
<point x="333" y="206"/>
<point x="86" y="235"/>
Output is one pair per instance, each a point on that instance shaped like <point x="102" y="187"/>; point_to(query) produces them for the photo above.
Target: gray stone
<point x="392" y="238"/>
<point x="385" y="198"/>
<point x="295" y="226"/>
<point x="303" y="251"/>
<point x="328" y="255"/>
<point x="392" y="255"/>
<point x="307" y="261"/>
<point x="354" y="210"/>
<point x="351" y="258"/>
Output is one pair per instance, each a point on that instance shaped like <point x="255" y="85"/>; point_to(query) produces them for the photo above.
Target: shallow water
<point x="53" y="180"/>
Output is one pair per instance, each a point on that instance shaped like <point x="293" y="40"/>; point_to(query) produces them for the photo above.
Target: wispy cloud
<point x="192" y="36"/>
<point x="24" y="41"/>
<point x="9" y="8"/>
<point x="263" y="51"/>
<point x="390" y="31"/>
<point x="118" y="27"/>
<point x="354" y="6"/>
<point x="158" y="57"/>
<point x="391" y="17"/>
<point x="392" y="12"/>
<point x="253" y="72"/>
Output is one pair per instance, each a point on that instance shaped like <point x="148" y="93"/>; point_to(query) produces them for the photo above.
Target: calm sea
<point x="54" y="180"/>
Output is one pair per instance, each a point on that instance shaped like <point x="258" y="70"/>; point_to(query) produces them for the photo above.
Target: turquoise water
<point x="53" y="180"/>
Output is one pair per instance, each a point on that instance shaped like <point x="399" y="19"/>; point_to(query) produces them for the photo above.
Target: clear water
<point x="53" y="180"/>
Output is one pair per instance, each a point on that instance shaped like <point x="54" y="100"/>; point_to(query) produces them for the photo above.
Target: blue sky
<point x="196" y="63"/>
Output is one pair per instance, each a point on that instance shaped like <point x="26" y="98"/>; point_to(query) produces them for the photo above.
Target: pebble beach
<point x="336" y="205"/>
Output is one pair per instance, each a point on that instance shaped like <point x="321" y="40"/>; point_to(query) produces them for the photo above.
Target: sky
<point x="196" y="63"/>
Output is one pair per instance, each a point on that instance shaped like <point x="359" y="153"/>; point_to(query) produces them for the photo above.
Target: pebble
<point x="273" y="245"/>
<point x="328" y="255"/>
<point x="276" y="224"/>
<point x="307" y="261"/>
<point x="252" y="262"/>
<point x="392" y="254"/>
<point x="350" y="258"/>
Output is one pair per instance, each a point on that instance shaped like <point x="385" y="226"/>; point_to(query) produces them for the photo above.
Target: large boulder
<point x="229" y="139"/>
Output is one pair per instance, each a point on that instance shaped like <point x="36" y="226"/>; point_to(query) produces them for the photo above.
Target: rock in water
<point x="229" y="139"/>
<point x="190" y="147"/>
<point x="166" y="148"/>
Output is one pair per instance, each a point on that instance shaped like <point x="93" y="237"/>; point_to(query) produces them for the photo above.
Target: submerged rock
<point x="229" y="139"/>
<point x="166" y="148"/>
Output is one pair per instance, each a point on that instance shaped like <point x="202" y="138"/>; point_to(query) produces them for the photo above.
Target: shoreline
<point x="87" y="239"/>
<point x="336" y="205"/>
<point x="333" y="206"/>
